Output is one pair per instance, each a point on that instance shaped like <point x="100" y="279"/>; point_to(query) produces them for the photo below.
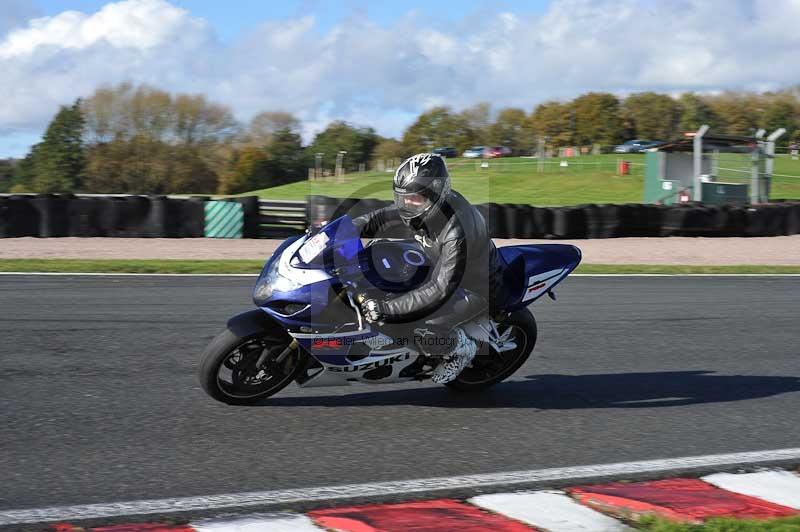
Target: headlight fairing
<point x="270" y="281"/>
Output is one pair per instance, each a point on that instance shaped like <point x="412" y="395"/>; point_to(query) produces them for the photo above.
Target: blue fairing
<point x="525" y="263"/>
<point x="302" y="277"/>
<point x="308" y="285"/>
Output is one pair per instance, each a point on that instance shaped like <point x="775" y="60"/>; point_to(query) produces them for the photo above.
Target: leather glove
<point x="371" y="309"/>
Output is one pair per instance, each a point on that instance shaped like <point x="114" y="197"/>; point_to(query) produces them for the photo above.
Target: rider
<point x="467" y="266"/>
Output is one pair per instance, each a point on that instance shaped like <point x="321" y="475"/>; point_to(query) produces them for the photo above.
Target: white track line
<point x="383" y="489"/>
<point x="254" y="275"/>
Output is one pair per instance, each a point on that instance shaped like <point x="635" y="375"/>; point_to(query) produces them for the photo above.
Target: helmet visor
<point x="411" y="204"/>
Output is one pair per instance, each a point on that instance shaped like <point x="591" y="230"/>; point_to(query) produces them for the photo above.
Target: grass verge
<point x="585" y="179"/>
<point x="130" y="266"/>
<point x="254" y="266"/>
<point x="669" y="269"/>
<point x="788" y="524"/>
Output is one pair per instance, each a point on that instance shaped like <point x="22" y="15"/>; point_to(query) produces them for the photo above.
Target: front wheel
<point x="489" y="368"/>
<point x="229" y="371"/>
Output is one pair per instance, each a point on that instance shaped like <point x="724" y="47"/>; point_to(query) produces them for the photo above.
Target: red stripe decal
<point x="538" y="286"/>
<point x="681" y="499"/>
<point x="422" y="516"/>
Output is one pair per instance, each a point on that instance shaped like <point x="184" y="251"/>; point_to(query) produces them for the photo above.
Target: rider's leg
<point x="451" y="365"/>
<point x="441" y="337"/>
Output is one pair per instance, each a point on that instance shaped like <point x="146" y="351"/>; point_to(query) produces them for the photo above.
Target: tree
<point x="438" y="127"/>
<point x="246" y="168"/>
<point x="286" y="160"/>
<point x="140" y="165"/>
<point x="653" y="116"/>
<point x="7" y="174"/>
<point x="475" y="119"/>
<point x="510" y="129"/>
<point x="266" y="124"/>
<point x="389" y="149"/>
<point x="281" y="161"/>
<point x="781" y="110"/>
<point x="197" y="121"/>
<point x="189" y="170"/>
<point x="597" y="119"/>
<point x="358" y="142"/>
<point x="145" y="140"/>
<point x="57" y="163"/>
<point x="737" y="113"/>
<point x="552" y="120"/>
<point x="694" y="112"/>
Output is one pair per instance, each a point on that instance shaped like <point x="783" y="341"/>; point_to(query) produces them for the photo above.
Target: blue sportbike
<point x="308" y="328"/>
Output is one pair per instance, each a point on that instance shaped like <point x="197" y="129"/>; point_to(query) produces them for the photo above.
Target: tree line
<point x="140" y="139"/>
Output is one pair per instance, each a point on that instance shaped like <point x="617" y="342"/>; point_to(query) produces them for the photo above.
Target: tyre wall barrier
<point x="251" y="216"/>
<point x="18" y="217"/>
<point x="49" y="215"/>
<point x="603" y="221"/>
<point x="84" y="216"/>
<point x="53" y="213"/>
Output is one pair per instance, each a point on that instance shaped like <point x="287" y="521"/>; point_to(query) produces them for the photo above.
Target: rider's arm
<point x="444" y="280"/>
<point x="369" y="224"/>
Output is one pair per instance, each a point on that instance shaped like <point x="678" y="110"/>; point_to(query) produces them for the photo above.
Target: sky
<point x="382" y="63"/>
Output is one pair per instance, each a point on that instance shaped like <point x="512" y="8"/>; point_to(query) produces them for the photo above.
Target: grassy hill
<point x="587" y="179"/>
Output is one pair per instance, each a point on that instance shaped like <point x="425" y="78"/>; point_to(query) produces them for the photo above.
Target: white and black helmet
<point x="420" y="186"/>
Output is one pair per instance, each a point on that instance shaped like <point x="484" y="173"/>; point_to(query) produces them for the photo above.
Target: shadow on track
<point x="565" y="392"/>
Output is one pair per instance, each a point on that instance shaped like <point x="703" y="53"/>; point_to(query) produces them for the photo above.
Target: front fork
<point x="294" y="344"/>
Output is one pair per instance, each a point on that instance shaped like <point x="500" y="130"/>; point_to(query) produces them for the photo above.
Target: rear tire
<point x="475" y="378"/>
<point x="231" y="354"/>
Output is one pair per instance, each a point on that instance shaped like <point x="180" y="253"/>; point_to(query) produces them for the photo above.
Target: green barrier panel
<point x="224" y="219"/>
<point x="716" y="193"/>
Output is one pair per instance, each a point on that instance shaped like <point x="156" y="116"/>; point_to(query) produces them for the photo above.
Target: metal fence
<point x="281" y="218"/>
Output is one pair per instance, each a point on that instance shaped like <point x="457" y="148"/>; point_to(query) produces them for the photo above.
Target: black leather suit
<point x="456" y="239"/>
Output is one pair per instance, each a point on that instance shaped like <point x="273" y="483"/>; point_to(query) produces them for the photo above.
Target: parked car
<point x="653" y="144"/>
<point x="498" y="151"/>
<point x="474" y="152"/>
<point x="637" y="145"/>
<point x="446" y="151"/>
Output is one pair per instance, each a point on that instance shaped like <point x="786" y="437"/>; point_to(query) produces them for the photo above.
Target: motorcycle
<point x="308" y="327"/>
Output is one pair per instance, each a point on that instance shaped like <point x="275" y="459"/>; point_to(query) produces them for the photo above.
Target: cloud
<point x="53" y="60"/>
<point x="384" y="75"/>
<point x="130" y="24"/>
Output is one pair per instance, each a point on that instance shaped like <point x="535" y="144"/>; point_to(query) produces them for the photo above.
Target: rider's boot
<point x="457" y="360"/>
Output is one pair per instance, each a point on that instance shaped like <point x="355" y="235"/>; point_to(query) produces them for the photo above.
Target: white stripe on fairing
<point x="780" y="487"/>
<point x="279" y="522"/>
<point x="383" y="489"/>
<point x="550" y="510"/>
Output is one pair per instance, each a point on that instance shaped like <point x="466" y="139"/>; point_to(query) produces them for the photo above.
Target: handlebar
<point x="355" y="300"/>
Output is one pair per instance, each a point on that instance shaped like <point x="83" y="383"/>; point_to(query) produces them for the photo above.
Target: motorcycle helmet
<point x="421" y="184"/>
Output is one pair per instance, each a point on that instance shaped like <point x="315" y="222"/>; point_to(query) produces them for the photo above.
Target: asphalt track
<point x="99" y="402"/>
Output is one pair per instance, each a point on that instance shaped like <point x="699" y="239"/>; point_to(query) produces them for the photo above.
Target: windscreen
<point x="334" y="246"/>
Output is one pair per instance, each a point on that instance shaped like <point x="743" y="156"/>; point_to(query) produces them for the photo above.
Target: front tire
<point x="486" y="371"/>
<point x="227" y="370"/>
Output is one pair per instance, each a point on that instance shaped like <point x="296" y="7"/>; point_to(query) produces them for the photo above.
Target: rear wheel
<point x="229" y="372"/>
<point x="489" y="368"/>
